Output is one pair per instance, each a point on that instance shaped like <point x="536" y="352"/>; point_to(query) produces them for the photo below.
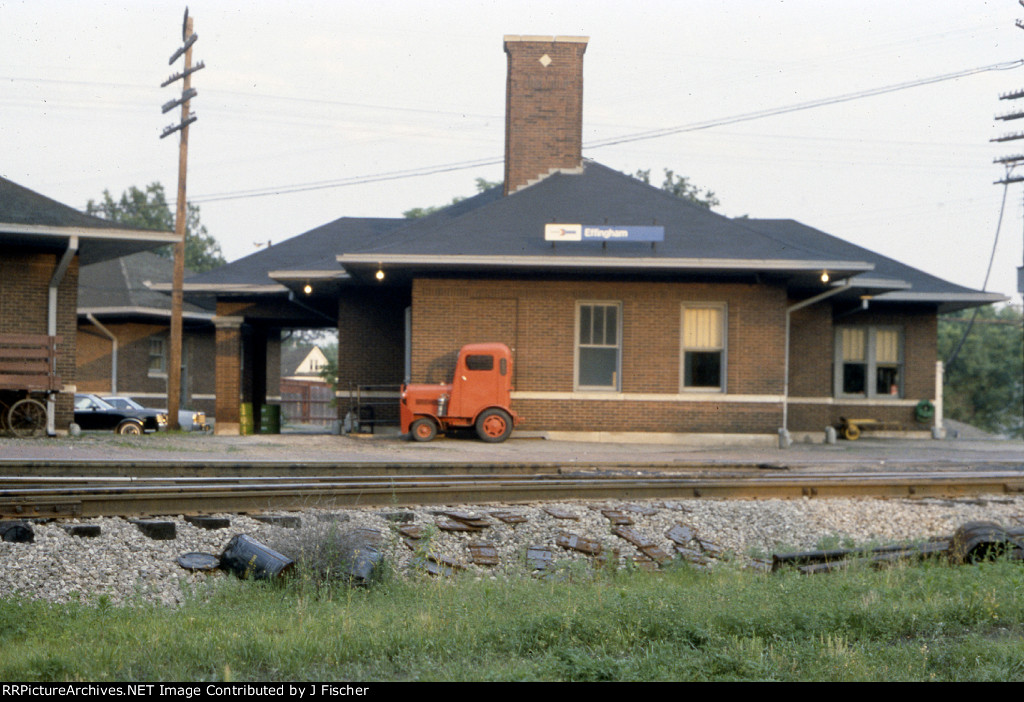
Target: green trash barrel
<point x="245" y="419"/>
<point x="270" y="419"/>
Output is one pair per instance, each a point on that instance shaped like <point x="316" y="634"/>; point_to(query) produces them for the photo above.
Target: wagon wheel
<point x="493" y="425"/>
<point x="851" y="432"/>
<point x="26" y="417"/>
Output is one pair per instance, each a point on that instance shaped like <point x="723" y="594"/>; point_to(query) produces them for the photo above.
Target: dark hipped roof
<point x="508" y="233"/>
<point x="488" y="232"/>
<point x="308" y="255"/>
<point x="922" y="287"/>
<point x="118" y="288"/>
<point x="492" y="233"/>
<point x="31" y="220"/>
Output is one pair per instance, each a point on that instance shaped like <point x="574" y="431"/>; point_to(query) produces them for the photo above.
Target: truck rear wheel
<point x="493" y="425"/>
<point x="423" y="429"/>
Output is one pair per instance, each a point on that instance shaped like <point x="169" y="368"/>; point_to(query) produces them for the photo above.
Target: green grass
<point x="922" y="622"/>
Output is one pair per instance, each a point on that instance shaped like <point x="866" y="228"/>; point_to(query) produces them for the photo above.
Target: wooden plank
<point x="25" y="339"/>
<point x="25" y="353"/>
<point x="27" y="366"/>
<point x="30" y="382"/>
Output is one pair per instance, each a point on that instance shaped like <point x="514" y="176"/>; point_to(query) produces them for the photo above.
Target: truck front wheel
<point x="423" y="429"/>
<point x="493" y="425"/>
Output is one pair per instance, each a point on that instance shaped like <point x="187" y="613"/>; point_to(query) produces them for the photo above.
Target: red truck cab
<point x="479" y="396"/>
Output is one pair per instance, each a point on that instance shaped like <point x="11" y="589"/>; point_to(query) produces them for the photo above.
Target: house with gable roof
<point x="123" y="333"/>
<point x="627" y="309"/>
<point x="42" y="245"/>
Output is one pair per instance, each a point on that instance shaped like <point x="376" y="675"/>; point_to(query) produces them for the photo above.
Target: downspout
<point x="784" y="431"/>
<point x="51" y="320"/>
<point x="113" y="351"/>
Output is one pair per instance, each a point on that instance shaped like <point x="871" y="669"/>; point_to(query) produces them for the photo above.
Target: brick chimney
<point x="543" y="107"/>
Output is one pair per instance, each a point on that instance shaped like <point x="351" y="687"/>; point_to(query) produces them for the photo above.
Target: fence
<point x="307" y="402"/>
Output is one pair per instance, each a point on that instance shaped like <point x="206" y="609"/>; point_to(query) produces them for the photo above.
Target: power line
<point x="639" y="136"/>
<point x="760" y="114"/>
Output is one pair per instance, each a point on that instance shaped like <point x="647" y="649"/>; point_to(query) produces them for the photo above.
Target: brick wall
<point x="537" y="319"/>
<point x="543" y="106"/>
<point x="812" y="363"/>
<point x="371" y="336"/>
<point x="133" y="376"/>
<point x="24" y="293"/>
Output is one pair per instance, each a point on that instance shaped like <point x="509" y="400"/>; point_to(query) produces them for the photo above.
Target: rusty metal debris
<point x="644" y="563"/>
<point x="645" y="545"/>
<point x="972" y="542"/>
<point x="540" y="557"/>
<point x="288" y="521"/>
<point x="681" y="534"/>
<point x="413" y="531"/>
<point x="509" y="517"/>
<point x="412" y="535"/>
<point x="591" y="547"/>
<point x="632" y="536"/>
<point x="438" y="565"/>
<point x="453" y="525"/>
<point x="559" y="513"/>
<point x="483" y="553"/>
<point x="643" y="510"/>
<point x="617" y="517"/>
<point x="710" y="547"/>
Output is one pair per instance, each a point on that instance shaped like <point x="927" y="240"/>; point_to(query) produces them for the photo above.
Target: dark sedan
<point x="92" y="413"/>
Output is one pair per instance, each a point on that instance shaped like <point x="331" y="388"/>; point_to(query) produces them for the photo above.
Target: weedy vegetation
<point x="928" y="621"/>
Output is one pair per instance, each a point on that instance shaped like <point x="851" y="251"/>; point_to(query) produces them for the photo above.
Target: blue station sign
<point x="602" y="232"/>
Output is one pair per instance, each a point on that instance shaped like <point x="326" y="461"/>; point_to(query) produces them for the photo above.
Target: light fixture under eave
<point x="824" y="277"/>
<point x="380" y="274"/>
<point x="307" y="288"/>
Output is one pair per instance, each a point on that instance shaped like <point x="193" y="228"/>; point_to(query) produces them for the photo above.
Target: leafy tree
<point x="681" y="187"/>
<point x="148" y="209"/>
<point x="482" y="184"/>
<point x="983" y="382"/>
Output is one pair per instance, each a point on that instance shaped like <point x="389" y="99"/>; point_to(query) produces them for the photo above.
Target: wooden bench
<point x="28" y="363"/>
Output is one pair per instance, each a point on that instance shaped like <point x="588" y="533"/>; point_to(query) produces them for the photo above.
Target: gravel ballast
<point x="122" y="565"/>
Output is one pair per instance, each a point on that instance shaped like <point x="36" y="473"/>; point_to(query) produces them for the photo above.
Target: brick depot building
<point x="671" y="319"/>
<point x="42" y="245"/>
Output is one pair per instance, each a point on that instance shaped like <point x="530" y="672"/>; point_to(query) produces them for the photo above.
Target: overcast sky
<point x="319" y="97"/>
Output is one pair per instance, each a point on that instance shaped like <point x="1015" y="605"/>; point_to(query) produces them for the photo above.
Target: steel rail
<point x="219" y="467"/>
<point x="110" y="496"/>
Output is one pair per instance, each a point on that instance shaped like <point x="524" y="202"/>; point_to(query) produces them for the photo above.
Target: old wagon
<point x="28" y="378"/>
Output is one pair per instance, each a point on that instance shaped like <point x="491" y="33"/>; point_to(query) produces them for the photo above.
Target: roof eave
<point x="605" y="263"/>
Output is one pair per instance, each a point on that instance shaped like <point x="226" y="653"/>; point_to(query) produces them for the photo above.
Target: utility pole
<point x="187" y="93"/>
<point x="1010" y="163"/>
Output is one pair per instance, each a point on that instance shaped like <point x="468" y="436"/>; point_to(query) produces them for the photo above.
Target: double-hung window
<point x="869" y="362"/>
<point x="703" y="347"/>
<point x="157" y="356"/>
<point x="598" y="345"/>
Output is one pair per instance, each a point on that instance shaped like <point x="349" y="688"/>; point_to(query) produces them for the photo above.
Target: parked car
<point x="188" y="420"/>
<point x="92" y="413"/>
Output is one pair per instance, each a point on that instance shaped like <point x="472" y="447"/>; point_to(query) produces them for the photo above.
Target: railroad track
<point x="34" y="496"/>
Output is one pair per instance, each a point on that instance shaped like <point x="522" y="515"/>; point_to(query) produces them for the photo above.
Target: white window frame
<point x="871" y="363"/>
<point x="723" y="349"/>
<point x="616" y="386"/>
<point x="156" y="372"/>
